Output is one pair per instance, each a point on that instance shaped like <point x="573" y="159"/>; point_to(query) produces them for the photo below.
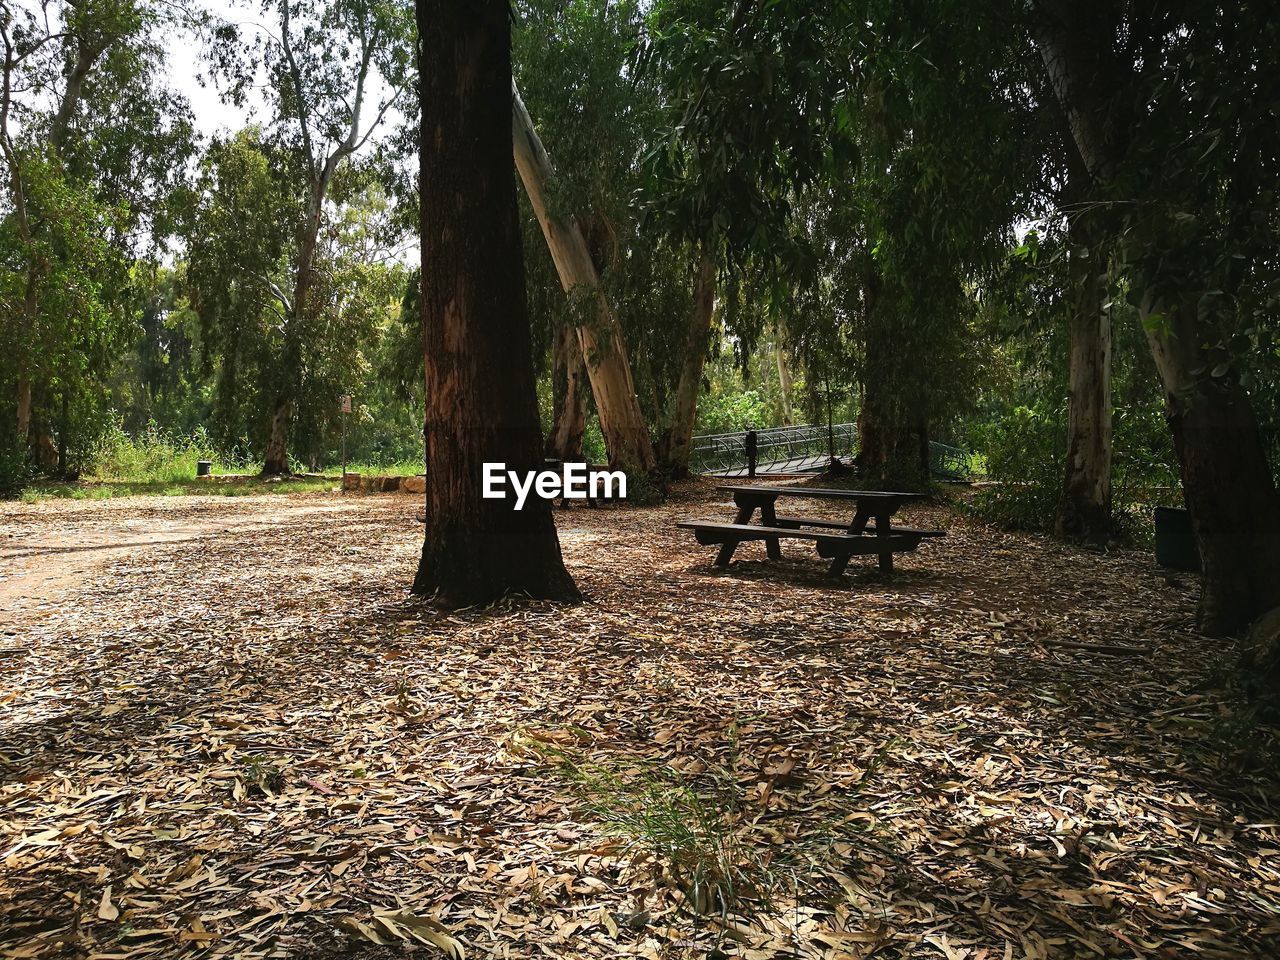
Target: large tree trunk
<point x="893" y="440"/>
<point x="1226" y="479"/>
<point x="626" y="435"/>
<point x="677" y="444"/>
<point x="275" y="459"/>
<point x="481" y="400"/>
<point x="569" y="396"/>
<point x="1085" y="511"/>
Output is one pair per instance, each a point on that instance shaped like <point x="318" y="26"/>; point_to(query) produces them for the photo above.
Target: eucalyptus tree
<point x="600" y="338"/>
<point x="94" y="146"/>
<point x="239" y="257"/>
<point x="1171" y="111"/>
<point x="337" y="76"/>
<point x="481" y="401"/>
<point x="571" y="62"/>
<point x="822" y="143"/>
<point x="754" y="96"/>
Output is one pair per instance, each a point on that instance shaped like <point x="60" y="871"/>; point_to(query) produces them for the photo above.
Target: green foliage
<point x="16" y="470"/>
<point x="723" y="412"/>
<point x="1020" y="419"/>
<point x="1024" y="450"/>
<point x="154" y="456"/>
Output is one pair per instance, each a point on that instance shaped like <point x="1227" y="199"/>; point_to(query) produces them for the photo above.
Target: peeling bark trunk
<point x="481" y="399"/>
<point x="569" y="397"/>
<point x="626" y="435"/>
<point x="1085" y="511"/>
<point x="677" y="444"/>
<point x="786" y="384"/>
<point x="275" y="459"/>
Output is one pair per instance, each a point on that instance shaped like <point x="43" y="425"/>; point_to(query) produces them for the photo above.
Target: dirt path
<point x="50" y="550"/>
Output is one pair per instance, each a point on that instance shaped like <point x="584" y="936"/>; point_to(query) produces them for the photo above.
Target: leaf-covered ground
<point x="225" y="730"/>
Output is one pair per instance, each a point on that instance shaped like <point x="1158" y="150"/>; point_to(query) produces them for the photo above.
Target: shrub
<point x="152" y="456"/>
<point x="15" y="469"/>
<point x="1025" y="453"/>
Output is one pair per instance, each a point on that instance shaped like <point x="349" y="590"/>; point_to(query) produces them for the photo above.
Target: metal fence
<point x="950" y="463"/>
<point x="799" y="449"/>
<point x="803" y="449"/>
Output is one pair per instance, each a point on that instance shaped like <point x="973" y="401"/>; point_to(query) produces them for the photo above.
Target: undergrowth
<point x="684" y="833"/>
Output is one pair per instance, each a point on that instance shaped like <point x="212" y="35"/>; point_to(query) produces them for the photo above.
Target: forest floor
<point x="226" y="730"/>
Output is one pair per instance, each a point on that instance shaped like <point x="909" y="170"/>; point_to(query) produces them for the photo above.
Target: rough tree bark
<point x="1085" y="511"/>
<point x="677" y="443"/>
<point x="569" y="388"/>
<point x="481" y="401"/>
<point x="626" y="435"/>
<point x="1226" y="480"/>
<point x="893" y="438"/>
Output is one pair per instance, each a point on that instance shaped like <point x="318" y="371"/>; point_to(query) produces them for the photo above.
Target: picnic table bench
<point x="870" y="531"/>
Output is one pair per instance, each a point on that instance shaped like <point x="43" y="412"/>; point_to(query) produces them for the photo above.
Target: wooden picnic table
<point x="836" y="540"/>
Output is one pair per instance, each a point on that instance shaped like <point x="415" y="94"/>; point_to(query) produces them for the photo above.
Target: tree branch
<point x="295" y="77"/>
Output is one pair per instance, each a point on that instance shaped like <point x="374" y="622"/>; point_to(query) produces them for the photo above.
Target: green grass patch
<point x="406" y="468"/>
<point x="237" y="487"/>
<point x="686" y="832"/>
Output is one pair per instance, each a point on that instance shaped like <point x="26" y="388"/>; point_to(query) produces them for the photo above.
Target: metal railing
<point x="801" y="449"/>
<point x="950" y="463"/>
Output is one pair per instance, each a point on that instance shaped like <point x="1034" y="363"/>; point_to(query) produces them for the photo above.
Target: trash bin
<point x="204" y="468"/>
<point x="1175" y="543"/>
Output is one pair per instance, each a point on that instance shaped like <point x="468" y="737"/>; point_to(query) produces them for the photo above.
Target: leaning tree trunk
<point x="626" y="435"/>
<point x="569" y="396"/>
<point x="1226" y="480"/>
<point x="1085" y="510"/>
<point x="677" y="445"/>
<point x="481" y="400"/>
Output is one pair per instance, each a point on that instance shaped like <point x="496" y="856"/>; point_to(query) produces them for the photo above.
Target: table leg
<point x="726" y="549"/>
<point x="860" y="518"/>
<point x="882" y="534"/>
<point x="773" y="548"/>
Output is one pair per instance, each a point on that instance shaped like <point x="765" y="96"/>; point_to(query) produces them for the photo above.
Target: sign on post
<point x="346" y="403"/>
